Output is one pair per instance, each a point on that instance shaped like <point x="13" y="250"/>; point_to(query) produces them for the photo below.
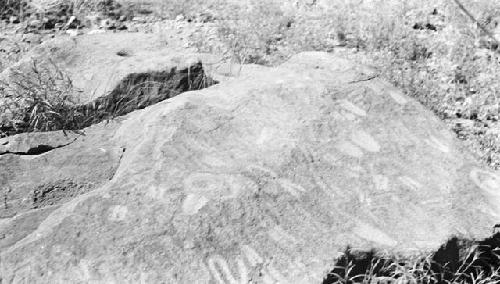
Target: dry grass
<point x="457" y="261"/>
<point x="39" y="99"/>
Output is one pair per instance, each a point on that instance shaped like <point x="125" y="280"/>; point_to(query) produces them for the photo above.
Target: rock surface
<point x="36" y="143"/>
<point x="262" y="178"/>
<point x="97" y="63"/>
<point x="109" y="74"/>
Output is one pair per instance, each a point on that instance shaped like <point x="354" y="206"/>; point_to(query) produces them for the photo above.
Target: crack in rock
<point x="36" y="143"/>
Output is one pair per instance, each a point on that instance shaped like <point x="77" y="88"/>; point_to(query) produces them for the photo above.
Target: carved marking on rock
<point x="118" y="213"/>
<point x="23" y="273"/>
<point x="487" y="181"/>
<point x="377" y="87"/>
<point x="260" y="168"/>
<point x="225" y="275"/>
<point x="397" y="96"/>
<point x="292" y="188"/>
<point x="349" y="149"/>
<point x="193" y="203"/>
<point x="347" y="105"/>
<point x="439" y="145"/>
<point x="84" y="266"/>
<point x="329" y="190"/>
<point x="381" y="182"/>
<point x="380" y="87"/>
<point x="252" y="256"/>
<point x="265" y="135"/>
<point x="411" y="183"/>
<point x="404" y="135"/>
<point x="155" y="191"/>
<point x="203" y="187"/>
<point x="274" y="276"/>
<point x="282" y="237"/>
<point x="269" y="273"/>
<point x="365" y="141"/>
<point x="214" y="160"/>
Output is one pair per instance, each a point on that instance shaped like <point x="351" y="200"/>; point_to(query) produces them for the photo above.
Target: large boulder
<point x="101" y="75"/>
<point x="97" y="63"/>
<point x="263" y="178"/>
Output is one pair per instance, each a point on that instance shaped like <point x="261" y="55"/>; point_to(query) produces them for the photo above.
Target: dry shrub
<point x="252" y="34"/>
<point x="13" y="8"/>
<point x="39" y="99"/>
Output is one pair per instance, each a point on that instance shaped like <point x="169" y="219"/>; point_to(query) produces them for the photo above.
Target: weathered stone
<point x="92" y="63"/>
<point x="262" y="178"/>
<point x="33" y="143"/>
<point x="106" y="82"/>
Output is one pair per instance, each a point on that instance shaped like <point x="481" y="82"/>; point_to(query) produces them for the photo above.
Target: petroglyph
<point x="118" y="213"/>
<point x="220" y="271"/>
<point x="437" y="144"/>
<point x="292" y="188"/>
<point x="349" y="149"/>
<point x="203" y="187"/>
<point x="347" y="105"/>
<point x="329" y="190"/>
<point x="403" y="135"/>
<point x="225" y="275"/>
<point x="382" y="87"/>
<point x="193" y="203"/>
<point x="261" y="170"/>
<point x="397" y="96"/>
<point x="365" y="141"/>
<point x="411" y="109"/>
<point x="370" y="233"/>
<point x="411" y="183"/>
<point x="301" y="273"/>
<point x="156" y="192"/>
<point x="265" y="135"/>
<point x="381" y="182"/>
<point x="283" y="238"/>
<point x="215" y="160"/>
<point x="252" y="256"/>
<point x="269" y="273"/>
<point x="376" y="86"/>
<point x="211" y="185"/>
<point x="487" y="181"/>
<point x="273" y="276"/>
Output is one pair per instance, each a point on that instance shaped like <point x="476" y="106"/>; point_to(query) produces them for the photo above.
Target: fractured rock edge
<point x="36" y="143"/>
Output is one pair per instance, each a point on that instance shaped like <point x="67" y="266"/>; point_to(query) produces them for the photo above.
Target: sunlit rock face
<point x="262" y="178"/>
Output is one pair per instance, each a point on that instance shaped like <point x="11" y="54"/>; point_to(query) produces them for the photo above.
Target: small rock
<point x="180" y="18"/>
<point x="93" y="32"/>
<point x="105" y="23"/>
<point x="14" y="20"/>
<point x="35" y="24"/>
<point x="91" y="21"/>
<point x="140" y="19"/>
<point x="74" y="33"/>
<point x="32" y="38"/>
